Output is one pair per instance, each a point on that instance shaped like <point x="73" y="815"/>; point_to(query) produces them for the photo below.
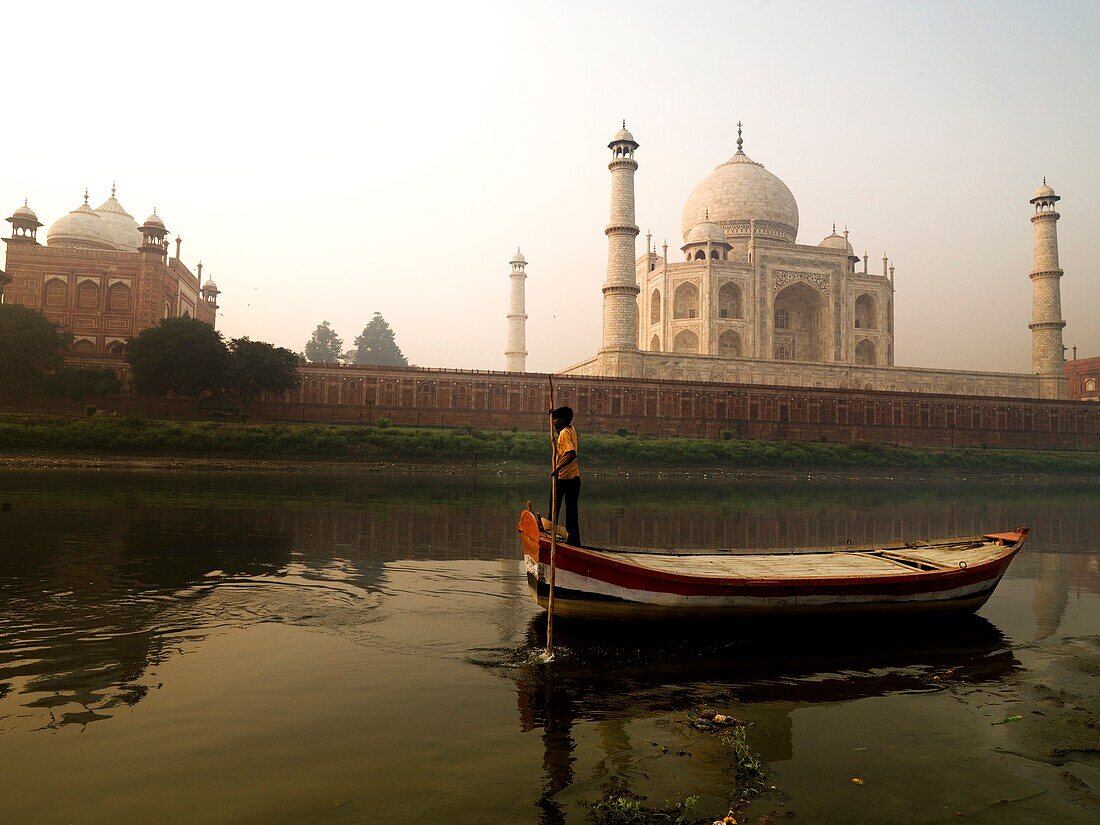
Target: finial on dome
<point x="85" y="194"/>
<point x="1044" y="180"/>
<point x="740" y="142"/>
<point x="708" y="214"/>
<point x="154" y="210"/>
<point x="834" y="227"/>
<point x="112" y="189"/>
<point x="624" y="126"/>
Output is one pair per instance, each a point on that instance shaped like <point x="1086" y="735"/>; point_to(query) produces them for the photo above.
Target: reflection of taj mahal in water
<point x="744" y="302"/>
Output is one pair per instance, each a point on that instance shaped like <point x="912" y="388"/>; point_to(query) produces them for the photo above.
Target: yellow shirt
<point x="567" y="440"/>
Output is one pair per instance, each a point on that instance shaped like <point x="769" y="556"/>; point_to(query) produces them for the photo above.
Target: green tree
<point x="80" y="382"/>
<point x="30" y="348"/>
<point x="181" y="355"/>
<point x="255" y="366"/>
<point x="377" y="345"/>
<point x="324" y="346"/>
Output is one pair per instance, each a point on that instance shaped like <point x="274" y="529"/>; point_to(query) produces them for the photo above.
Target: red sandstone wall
<point x="336" y="394"/>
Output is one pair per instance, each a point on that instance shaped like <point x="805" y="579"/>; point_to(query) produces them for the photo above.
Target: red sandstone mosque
<point x="102" y="276"/>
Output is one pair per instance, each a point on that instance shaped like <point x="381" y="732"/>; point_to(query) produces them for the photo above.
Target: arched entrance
<point x="799" y="323"/>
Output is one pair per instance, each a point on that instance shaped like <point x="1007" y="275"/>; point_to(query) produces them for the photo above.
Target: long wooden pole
<point x="553" y="525"/>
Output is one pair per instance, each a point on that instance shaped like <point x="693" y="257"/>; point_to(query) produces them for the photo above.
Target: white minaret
<point x="620" y="290"/>
<point x="516" y="354"/>
<point x="1047" y="352"/>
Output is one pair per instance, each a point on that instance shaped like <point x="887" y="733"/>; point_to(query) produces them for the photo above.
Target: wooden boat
<point x="956" y="574"/>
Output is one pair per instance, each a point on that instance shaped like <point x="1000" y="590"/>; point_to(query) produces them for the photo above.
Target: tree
<point x="256" y="366"/>
<point x="30" y="348"/>
<point x="80" y="382"/>
<point x="377" y="345"/>
<point x="181" y="355"/>
<point x="324" y="346"/>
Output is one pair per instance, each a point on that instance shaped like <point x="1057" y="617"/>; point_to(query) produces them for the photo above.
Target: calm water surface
<point x="179" y="647"/>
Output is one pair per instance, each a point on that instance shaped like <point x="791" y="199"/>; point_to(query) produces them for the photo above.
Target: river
<point x="180" y="647"/>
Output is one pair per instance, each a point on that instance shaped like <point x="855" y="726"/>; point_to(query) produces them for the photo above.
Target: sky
<point x="329" y="160"/>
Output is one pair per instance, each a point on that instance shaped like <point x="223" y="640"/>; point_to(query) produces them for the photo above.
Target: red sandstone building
<point x="1083" y="378"/>
<point x="102" y="276"/>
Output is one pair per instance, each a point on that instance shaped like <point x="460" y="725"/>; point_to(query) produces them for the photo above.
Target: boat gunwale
<point x="977" y="571"/>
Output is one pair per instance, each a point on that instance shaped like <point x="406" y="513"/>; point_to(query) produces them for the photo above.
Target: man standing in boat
<point x="568" y="473"/>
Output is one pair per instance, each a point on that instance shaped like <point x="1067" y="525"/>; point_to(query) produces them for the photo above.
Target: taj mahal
<point x="743" y="301"/>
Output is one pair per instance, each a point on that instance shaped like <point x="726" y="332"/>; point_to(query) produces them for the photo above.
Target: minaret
<point x="620" y="290"/>
<point x="1047" y="352"/>
<point x="516" y="354"/>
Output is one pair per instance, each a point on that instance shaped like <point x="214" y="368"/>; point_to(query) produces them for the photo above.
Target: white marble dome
<point x="518" y="258"/>
<point x="80" y="228"/>
<point x="741" y="190"/>
<point x="154" y="220"/>
<point x="25" y="213"/>
<point x="120" y="223"/>
<point x="706" y="231"/>
<point x="836" y="241"/>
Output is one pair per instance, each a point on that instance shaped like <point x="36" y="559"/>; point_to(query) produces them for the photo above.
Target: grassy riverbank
<point x="141" y="438"/>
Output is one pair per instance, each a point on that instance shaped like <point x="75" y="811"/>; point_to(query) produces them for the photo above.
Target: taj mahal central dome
<point x="738" y="194"/>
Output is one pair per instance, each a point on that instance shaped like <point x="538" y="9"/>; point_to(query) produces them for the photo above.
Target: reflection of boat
<point x="957" y="574"/>
<point x="606" y="676"/>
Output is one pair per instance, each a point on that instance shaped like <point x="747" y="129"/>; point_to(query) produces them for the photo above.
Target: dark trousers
<point x="569" y="491"/>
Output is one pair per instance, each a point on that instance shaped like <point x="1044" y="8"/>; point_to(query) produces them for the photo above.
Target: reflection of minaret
<point x="1051" y="594"/>
<point x="516" y="354"/>
<point x="1047" y="352"/>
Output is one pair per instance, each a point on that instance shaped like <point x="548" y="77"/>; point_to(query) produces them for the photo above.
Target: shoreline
<point x="504" y="469"/>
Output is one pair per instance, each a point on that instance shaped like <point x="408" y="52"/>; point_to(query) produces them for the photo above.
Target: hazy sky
<point x="329" y="160"/>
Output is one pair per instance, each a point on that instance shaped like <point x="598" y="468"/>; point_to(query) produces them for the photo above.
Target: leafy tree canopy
<point x="80" y="382"/>
<point x="324" y="346"/>
<point x="30" y="348"/>
<point x="181" y="355"/>
<point x="377" y="345"/>
<point x="256" y="366"/>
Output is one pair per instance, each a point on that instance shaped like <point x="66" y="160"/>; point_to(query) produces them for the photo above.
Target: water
<point x="223" y="648"/>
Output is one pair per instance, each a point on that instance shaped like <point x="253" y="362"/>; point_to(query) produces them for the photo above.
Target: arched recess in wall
<point x="655" y="307"/>
<point x="800" y="319"/>
<point x="1090" y="385"/>
<point x="866" y="315"/>
<point x="351" y="393"/>
<point x="87" y="295"/>
<point x="655" y="343"/>
<point x="729" y="344"/>
<point x="865" y="353"/>
<point x="685" y="301"/>
<point x="84" y="346"/>
<point x="890" y="354"/>
<point x="729" y="301"/>
<point x="118" y="297"/>
<point x="685" y="341"/>
<point x="314" y="391"/>
<point x="57" y="293"/>
<point x="890" y="317"/>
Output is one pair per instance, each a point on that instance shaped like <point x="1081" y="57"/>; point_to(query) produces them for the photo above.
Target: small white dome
<point x="121" y="224"/>
<point x="25" y="213"/>
<point x="706" y="231"/>
<point x="1045" y="193"/>
<point x="154" y="220"/>
<point x="518" y="258"/>
<point x="210" y="286"/>
<point x="81" y="228"/>
<point x="836" y="241"/>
